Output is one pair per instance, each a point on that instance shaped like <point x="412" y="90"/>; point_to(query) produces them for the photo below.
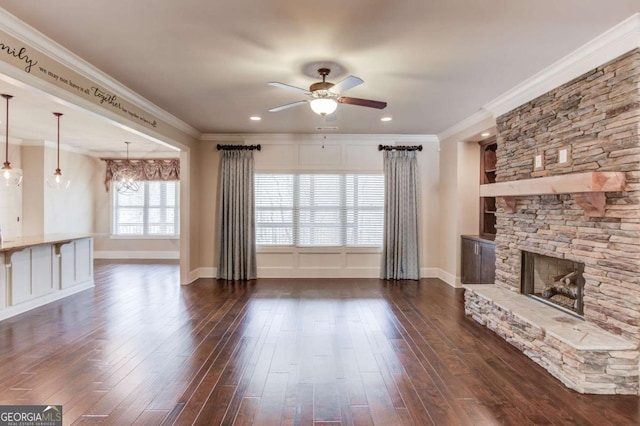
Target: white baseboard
<point x="429" y="273"/>
<point x="160" y="255"/>
<point x="209" y="272"/>
<point x="450" y="279"/>
<point x="202" y="273"/>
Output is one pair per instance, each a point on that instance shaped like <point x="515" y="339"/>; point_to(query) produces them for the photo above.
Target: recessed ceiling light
<point x="386" y="119"/>
<point x="485" y="134"/>
<point x="255" y="118"/>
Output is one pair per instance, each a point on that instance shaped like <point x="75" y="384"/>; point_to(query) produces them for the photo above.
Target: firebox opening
<point x="558" y="282"/>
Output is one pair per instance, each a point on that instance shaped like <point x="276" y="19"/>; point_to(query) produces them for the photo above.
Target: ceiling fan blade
<point x="346" y="84"/>
<point x="289" y="87"/>
<point x="362" y="102"/>
<point x="281" y="107"/>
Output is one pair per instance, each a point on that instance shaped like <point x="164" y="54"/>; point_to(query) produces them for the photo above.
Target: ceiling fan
<point x="325" y="96"/>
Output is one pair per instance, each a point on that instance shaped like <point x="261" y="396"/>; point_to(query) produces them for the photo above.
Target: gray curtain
<point x="400" y="256"/>
<point x="237" y="244"/>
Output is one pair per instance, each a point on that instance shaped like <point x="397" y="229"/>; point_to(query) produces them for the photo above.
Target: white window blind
<point x="152" y="211"/>
<point x="311" y="210"/>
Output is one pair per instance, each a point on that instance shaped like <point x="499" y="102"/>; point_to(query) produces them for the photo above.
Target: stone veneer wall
<point x="597" y="116"/>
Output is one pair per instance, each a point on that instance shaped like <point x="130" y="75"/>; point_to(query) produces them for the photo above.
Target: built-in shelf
<point x="488" y="161"/>
<point x="587" y="189"/>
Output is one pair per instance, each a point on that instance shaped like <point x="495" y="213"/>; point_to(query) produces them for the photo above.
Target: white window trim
<point x="113" y="236"/>
<point x="294" y="248"/>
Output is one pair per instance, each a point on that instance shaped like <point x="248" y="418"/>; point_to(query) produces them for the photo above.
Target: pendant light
<point x="57" y="181"/>
<point x="11" y="177"/>
<point x="125" y="178"/>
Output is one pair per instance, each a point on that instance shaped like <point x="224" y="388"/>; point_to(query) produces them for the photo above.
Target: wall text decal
<point x="20" y="54"/>
<point x="53" y="72"/>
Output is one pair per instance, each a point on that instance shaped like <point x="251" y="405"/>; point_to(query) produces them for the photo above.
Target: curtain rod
<point x="238" y="147"/>
<point x="400" y="147"/>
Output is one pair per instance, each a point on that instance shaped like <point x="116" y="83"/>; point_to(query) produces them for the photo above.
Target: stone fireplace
<point x="557" y="282"/>
<point x="583" y="131"/>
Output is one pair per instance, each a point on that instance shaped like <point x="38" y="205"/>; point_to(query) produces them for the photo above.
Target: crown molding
<point x="613" y="43"/>
<point x="135" y="155"/>
<point x="311" y="137"/>
<point x="26" y="33"/>
<point x="461" y="126"/>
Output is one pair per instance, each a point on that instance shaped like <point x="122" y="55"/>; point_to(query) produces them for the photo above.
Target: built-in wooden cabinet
<point x="478" y="252"/>
<point x="488" y="175"/>
<point x="478" y="260"/>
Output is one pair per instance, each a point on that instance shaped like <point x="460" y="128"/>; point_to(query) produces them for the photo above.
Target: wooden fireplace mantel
<point x="587" y="189"/>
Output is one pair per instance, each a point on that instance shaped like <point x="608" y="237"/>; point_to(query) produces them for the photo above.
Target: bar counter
<point x="37" y="270"/>
<point x="22" y="242"/>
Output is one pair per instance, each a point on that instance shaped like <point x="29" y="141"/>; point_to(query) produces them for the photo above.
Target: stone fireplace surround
<point x="596" y="116"/>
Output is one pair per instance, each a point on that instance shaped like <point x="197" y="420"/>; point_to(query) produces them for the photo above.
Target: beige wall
<point x="33" y="190"/>
<point x="290" y="153"/>
<point x="208" y="165"/>
<point x="459" y="195"/>
<point x="73" y="209"/>
<point x="106" y="246"/>
<point x="49" y="212"/>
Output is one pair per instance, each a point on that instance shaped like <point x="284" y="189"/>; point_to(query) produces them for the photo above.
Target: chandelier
<point x="125" y="178"/>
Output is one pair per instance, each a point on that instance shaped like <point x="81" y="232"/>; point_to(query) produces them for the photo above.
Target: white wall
<point x="292" y="153"/>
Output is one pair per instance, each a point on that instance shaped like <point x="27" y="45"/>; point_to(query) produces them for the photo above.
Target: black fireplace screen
<point x="556" y="281"/>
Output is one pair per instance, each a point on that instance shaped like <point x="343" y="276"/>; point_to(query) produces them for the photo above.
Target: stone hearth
<point x="596" y="118"/>
<point x="581" y="355"/>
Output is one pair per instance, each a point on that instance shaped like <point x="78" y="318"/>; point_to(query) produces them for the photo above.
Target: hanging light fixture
<point x="125" y="178"/>
<point x="11" y="176"/>
<point x="323" y="106"/>
<point x="57" y="181"/>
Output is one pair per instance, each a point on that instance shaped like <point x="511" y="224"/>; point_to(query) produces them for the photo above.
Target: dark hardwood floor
<point x="141" y="349"/>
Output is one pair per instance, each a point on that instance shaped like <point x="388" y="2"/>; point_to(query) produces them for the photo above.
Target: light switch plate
<point x="562" y="156"/>
<point x="538" y="162"/>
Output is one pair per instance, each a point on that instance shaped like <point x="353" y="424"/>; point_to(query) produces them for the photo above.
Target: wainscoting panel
<point x="323" y="262"/>
<point x="320" y="260"/>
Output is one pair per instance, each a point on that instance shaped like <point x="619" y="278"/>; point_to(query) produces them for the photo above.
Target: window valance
<point x="153" y="169"/>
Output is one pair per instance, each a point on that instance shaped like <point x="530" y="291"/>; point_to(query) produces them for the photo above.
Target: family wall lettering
<point x="33" y="62"/>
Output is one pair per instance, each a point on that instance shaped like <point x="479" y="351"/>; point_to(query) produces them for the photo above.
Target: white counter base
<point x="33" y="275"/>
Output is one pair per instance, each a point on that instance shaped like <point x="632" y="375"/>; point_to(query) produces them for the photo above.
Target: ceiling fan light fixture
<point x="323" y="106"/>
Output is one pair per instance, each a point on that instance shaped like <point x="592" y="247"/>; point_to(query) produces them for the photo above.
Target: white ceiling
<point x="208" y="62"/>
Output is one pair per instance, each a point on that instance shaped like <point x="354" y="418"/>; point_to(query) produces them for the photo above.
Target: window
<point x="150" y="212"/>
<point x="309" y="210"/>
